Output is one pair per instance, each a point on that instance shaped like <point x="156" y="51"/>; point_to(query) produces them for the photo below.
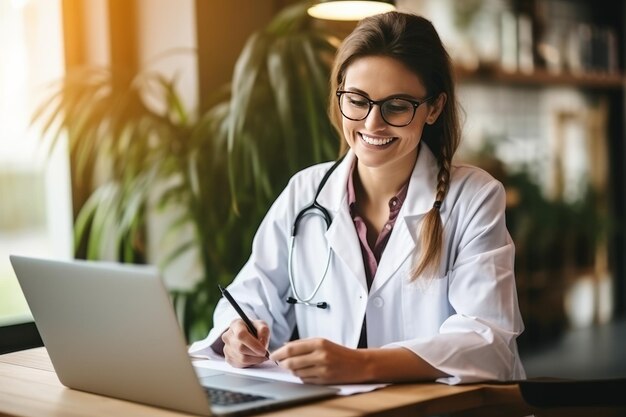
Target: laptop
<point x="110" y="329"/>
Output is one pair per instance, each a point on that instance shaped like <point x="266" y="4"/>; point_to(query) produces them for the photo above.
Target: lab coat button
<point x="378" y="302"/>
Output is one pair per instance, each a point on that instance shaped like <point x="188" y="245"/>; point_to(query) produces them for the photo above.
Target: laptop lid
<point x="110" y="329"/>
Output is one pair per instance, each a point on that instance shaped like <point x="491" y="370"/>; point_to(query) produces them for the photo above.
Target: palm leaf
<point x="280" y="75"/>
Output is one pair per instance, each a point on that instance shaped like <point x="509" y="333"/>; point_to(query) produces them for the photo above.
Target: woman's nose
<point x="374" y="121"/>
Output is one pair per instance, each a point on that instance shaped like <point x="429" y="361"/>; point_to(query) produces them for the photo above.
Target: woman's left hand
<point x="320" y="361"/>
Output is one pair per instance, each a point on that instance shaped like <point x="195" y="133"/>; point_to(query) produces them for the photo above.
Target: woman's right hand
<point x="241" y="348"/>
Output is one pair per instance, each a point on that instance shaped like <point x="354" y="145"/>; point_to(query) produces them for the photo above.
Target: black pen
<point x="243" y="316"/>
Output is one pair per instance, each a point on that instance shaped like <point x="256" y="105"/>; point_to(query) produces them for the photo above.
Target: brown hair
<point x="413" y="41"/>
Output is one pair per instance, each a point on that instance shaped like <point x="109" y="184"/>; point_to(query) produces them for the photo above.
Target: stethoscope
<point x="313" y="209"/>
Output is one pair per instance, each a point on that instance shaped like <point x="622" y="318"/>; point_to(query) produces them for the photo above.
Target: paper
<point x="270" y="370"/>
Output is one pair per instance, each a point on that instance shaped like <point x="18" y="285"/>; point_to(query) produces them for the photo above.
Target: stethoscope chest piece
<point x="322" y="304"/>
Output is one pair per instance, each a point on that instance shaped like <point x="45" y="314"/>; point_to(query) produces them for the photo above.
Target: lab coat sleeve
<point x="261" y="286"/>
<point x="478" y="341"/>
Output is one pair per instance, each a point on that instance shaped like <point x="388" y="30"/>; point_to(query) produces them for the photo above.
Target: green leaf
<point x="280" y="74"/>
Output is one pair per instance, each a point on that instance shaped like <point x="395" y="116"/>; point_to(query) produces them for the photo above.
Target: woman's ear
<point x="436" y="108"/>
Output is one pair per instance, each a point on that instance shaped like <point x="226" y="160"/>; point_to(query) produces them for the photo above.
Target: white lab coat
<point x="464" y="322"/>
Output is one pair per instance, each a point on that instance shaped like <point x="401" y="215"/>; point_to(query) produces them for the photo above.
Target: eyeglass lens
<point x="395" y="111"/>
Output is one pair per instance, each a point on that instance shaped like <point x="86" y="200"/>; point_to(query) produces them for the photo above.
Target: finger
<point x="234" y="336"/>
<point x="263" y="331"/>
<point x="292" y="349"/>
<point x="310" y="372"/>
<point x="242" y="361"/>
<point x="236" y="358"/>
<point x="236" y="352"/>
<point x="242" y="334"/>
<point x="243" y="349"/>
<point x="301" y="362"/>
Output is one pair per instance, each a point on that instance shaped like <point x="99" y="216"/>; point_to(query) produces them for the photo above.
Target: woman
<point x="411" y="277"/>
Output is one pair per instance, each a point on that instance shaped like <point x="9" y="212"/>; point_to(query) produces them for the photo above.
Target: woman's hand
<point x="241" y="348"/>
<point x="320" y="361"/>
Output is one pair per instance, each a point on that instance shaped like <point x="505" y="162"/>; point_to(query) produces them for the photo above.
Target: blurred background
<point x="160" y="131"/>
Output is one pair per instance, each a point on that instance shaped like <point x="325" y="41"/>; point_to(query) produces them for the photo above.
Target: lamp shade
<point x="348" y="10"/>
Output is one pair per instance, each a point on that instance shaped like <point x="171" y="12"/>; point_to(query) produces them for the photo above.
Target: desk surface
<point x="30" y="387"/>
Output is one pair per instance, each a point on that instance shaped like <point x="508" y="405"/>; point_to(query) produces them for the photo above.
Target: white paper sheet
<point x="270" y="370"/>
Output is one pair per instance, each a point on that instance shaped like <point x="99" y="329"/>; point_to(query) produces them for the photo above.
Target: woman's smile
<point x="377" y="141"/>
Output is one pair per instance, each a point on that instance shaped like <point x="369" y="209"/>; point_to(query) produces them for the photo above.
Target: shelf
<point x="543" y="78"/>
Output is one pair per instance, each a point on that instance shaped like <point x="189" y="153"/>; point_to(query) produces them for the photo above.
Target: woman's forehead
<point x="381" y="76"/>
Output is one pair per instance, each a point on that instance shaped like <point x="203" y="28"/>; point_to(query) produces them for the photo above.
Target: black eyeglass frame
<point x="379" y="103"/>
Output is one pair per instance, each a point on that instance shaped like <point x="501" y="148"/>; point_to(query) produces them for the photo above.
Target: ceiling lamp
<point x="348" y="10"/>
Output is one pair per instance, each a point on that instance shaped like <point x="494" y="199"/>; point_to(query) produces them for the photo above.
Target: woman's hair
<point x="413" y="41"/>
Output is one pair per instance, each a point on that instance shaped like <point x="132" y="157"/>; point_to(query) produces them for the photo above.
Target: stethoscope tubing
<point x="304" y="300"/>
<point x="322" y="212"/>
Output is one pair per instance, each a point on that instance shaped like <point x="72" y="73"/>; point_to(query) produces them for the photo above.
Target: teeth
<point x="375" y="141"/>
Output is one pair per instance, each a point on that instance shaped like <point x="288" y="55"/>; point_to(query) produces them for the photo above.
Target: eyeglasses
<point x="395" y="111"/>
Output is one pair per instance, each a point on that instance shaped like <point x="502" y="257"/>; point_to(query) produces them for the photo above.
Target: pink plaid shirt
<point x="371" y="256"/>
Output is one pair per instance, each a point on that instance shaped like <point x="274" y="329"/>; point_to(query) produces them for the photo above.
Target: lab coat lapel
<point x="404" y="239"/>
<point x="401" y="245"/>
<point x="341" y="235"/>
<point x="344" y="243"/>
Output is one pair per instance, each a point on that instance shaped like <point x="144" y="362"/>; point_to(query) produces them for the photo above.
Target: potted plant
<point x="220" y="170"/>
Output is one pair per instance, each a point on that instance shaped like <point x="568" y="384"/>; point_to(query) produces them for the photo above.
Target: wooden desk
<point x="30" y="387"/>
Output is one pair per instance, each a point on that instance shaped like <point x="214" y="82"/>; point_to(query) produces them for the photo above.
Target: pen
<point x="243" y="316"/>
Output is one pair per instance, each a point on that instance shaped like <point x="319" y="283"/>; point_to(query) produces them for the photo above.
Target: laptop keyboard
<point x="224" y="397"/>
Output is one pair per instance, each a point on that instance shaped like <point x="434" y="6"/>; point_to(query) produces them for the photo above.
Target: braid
<point x="431" y="235"/>
<point x="443" y="179"/>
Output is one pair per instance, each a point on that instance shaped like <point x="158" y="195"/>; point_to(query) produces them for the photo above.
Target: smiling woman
<point x="408" y="274"/>
<point x="35" y="214"/>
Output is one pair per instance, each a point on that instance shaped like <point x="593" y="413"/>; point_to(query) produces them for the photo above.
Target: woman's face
<point x="376" y="143"/>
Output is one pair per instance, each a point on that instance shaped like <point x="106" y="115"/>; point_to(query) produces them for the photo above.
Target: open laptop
<point x="110" y="329"/>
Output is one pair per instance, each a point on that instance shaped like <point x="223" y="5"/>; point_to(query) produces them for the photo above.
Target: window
<point x="35" y="204"/>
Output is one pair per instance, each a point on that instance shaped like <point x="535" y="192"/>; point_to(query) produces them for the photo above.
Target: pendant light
<point x="348" y="10"/>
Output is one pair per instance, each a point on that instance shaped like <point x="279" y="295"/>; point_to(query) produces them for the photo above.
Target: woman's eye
<point x="397" y="107"/>
<point x="357" y="102"/>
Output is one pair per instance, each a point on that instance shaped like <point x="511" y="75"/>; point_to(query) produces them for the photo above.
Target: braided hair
<point x="413" y="41"/>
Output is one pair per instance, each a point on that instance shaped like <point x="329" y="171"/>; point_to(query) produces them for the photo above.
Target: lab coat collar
<point x="420" y="195"/>
<point x="342" y="235"/>
<point x="423" y="184"/>
<point x="334" y="195"/>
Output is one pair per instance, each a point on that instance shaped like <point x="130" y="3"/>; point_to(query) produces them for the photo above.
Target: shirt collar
<point x="420" y="194"/>
<point x="395" y="202"/>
